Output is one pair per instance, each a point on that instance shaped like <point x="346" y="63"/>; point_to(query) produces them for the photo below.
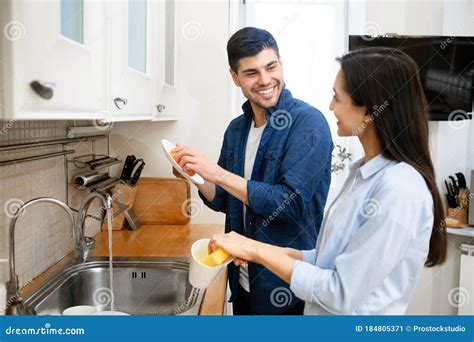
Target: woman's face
<point x="351" y="119"/>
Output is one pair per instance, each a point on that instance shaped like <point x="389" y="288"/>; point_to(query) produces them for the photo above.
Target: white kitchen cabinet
<point x="141" y="50"/>
<point x="132" y="72"/>
<point x="58" y="45"/>
<point x="112" y="60"/>
<point x="167" y="101"/>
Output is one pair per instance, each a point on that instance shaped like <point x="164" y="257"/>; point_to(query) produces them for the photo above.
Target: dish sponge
<point x="173" y="155"/>
<point x="216" y="258"/>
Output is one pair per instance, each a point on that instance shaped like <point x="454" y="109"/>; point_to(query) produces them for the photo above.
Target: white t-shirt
<point x="253" y="141"/>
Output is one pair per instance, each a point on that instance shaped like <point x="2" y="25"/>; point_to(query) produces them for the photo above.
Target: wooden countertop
<point x="167" y="240"/>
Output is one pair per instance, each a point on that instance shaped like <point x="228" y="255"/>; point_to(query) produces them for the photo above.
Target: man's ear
<point x="235" y="78"/>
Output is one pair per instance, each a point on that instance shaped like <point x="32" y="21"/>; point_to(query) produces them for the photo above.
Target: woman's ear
<point x="369" y="118"/>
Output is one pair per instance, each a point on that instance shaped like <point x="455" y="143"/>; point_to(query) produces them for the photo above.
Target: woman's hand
<point x="278" y="260"/>
<point x="242" y="248"/>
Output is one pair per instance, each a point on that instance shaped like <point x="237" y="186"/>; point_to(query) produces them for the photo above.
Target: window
<point x="137" y="34"/>
<point x="170" y="43"/>
<point x="72" y="20"/>
<point x="310" y="35"/>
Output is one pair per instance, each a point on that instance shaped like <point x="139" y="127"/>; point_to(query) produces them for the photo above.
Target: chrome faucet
<point x="14" y="301"/>
<point x="85" y="245"/>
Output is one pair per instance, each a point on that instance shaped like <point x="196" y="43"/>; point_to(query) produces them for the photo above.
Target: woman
<point x="387" y="221"/>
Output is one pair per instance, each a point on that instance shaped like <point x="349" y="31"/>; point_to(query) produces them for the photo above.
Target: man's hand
<point x="177" y="174"/>
<point x="193" y="160"/>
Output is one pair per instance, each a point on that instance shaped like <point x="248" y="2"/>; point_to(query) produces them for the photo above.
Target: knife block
<point x="459" y="214"/>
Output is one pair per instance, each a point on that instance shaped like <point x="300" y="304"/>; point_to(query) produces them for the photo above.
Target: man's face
<point x="260" y="77"/>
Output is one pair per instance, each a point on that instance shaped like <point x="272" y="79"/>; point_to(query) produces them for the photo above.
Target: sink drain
<point x="138" y="275"/>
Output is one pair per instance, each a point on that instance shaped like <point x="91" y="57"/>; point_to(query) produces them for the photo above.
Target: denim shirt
<point x="287" y="190"/>
<point x="373" y="243"/>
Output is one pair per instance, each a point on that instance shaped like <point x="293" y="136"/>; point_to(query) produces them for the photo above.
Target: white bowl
<point x="80" y="310"/>
<point x="111" y="313"/>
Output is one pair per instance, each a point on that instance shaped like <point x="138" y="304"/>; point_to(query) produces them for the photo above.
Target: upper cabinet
<point x="52" y="59"/>
<point x="167" y="105"/>
<point x="132" y="70"/>
<point x="84" y="59"/>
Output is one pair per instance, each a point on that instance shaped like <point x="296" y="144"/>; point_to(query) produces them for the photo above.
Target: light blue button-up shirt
<point x="372" y="246"/>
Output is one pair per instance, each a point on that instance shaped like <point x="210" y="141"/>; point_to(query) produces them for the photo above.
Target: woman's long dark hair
<point x="386" y="81"/>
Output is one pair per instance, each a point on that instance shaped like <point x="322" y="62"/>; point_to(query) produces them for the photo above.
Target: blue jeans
<point x="241" y="306"/>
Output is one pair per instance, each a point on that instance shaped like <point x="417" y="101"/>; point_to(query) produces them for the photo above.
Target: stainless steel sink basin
<point x="157" y="286"/>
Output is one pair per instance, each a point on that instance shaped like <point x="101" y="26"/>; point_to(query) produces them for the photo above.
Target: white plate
<point x="80" y="310"/>
<point x="167" y="147"/>
<point x="111" y="313"/>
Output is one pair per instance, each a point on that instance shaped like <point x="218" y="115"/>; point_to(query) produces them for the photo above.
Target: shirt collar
<point x="373" y="166"/>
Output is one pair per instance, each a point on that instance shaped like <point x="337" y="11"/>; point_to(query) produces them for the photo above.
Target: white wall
<point x="204" y="87"/>
<point x="451" y="143"/>
<point x="323" y="26"/>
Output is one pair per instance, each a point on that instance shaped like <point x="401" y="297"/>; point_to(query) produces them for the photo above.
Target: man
<point x="273" y="173"/>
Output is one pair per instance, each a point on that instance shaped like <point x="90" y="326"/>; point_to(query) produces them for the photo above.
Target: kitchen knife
<point x="461" y="180"/>
<point x="137" y="170"/>
<point x="455" y="187"/>
<point x="128" y="168"/>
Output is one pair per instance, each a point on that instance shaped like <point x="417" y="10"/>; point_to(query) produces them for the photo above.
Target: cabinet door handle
<point x="160" y="108"/>
<point x="45" y="90"/>
<point x="120" y="102"/>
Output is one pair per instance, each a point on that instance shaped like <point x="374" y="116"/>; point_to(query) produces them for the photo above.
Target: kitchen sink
<point x="151" y="286"/>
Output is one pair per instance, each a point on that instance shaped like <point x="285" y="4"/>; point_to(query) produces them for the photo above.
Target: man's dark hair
<point x="247" y="42"/>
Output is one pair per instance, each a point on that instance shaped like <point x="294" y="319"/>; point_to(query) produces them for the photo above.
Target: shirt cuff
<point x="309" y="256"/>
<point x="215" y="204"/>
<point x="204" y="199"/>
<point x="302" y="280"/>
<point x="256" y="195"/>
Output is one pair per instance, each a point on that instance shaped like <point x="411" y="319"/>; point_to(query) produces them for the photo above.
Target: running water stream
<point x="111" y="274"/>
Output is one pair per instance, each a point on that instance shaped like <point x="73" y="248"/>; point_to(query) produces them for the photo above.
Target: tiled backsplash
<point x="44" y="233"/>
